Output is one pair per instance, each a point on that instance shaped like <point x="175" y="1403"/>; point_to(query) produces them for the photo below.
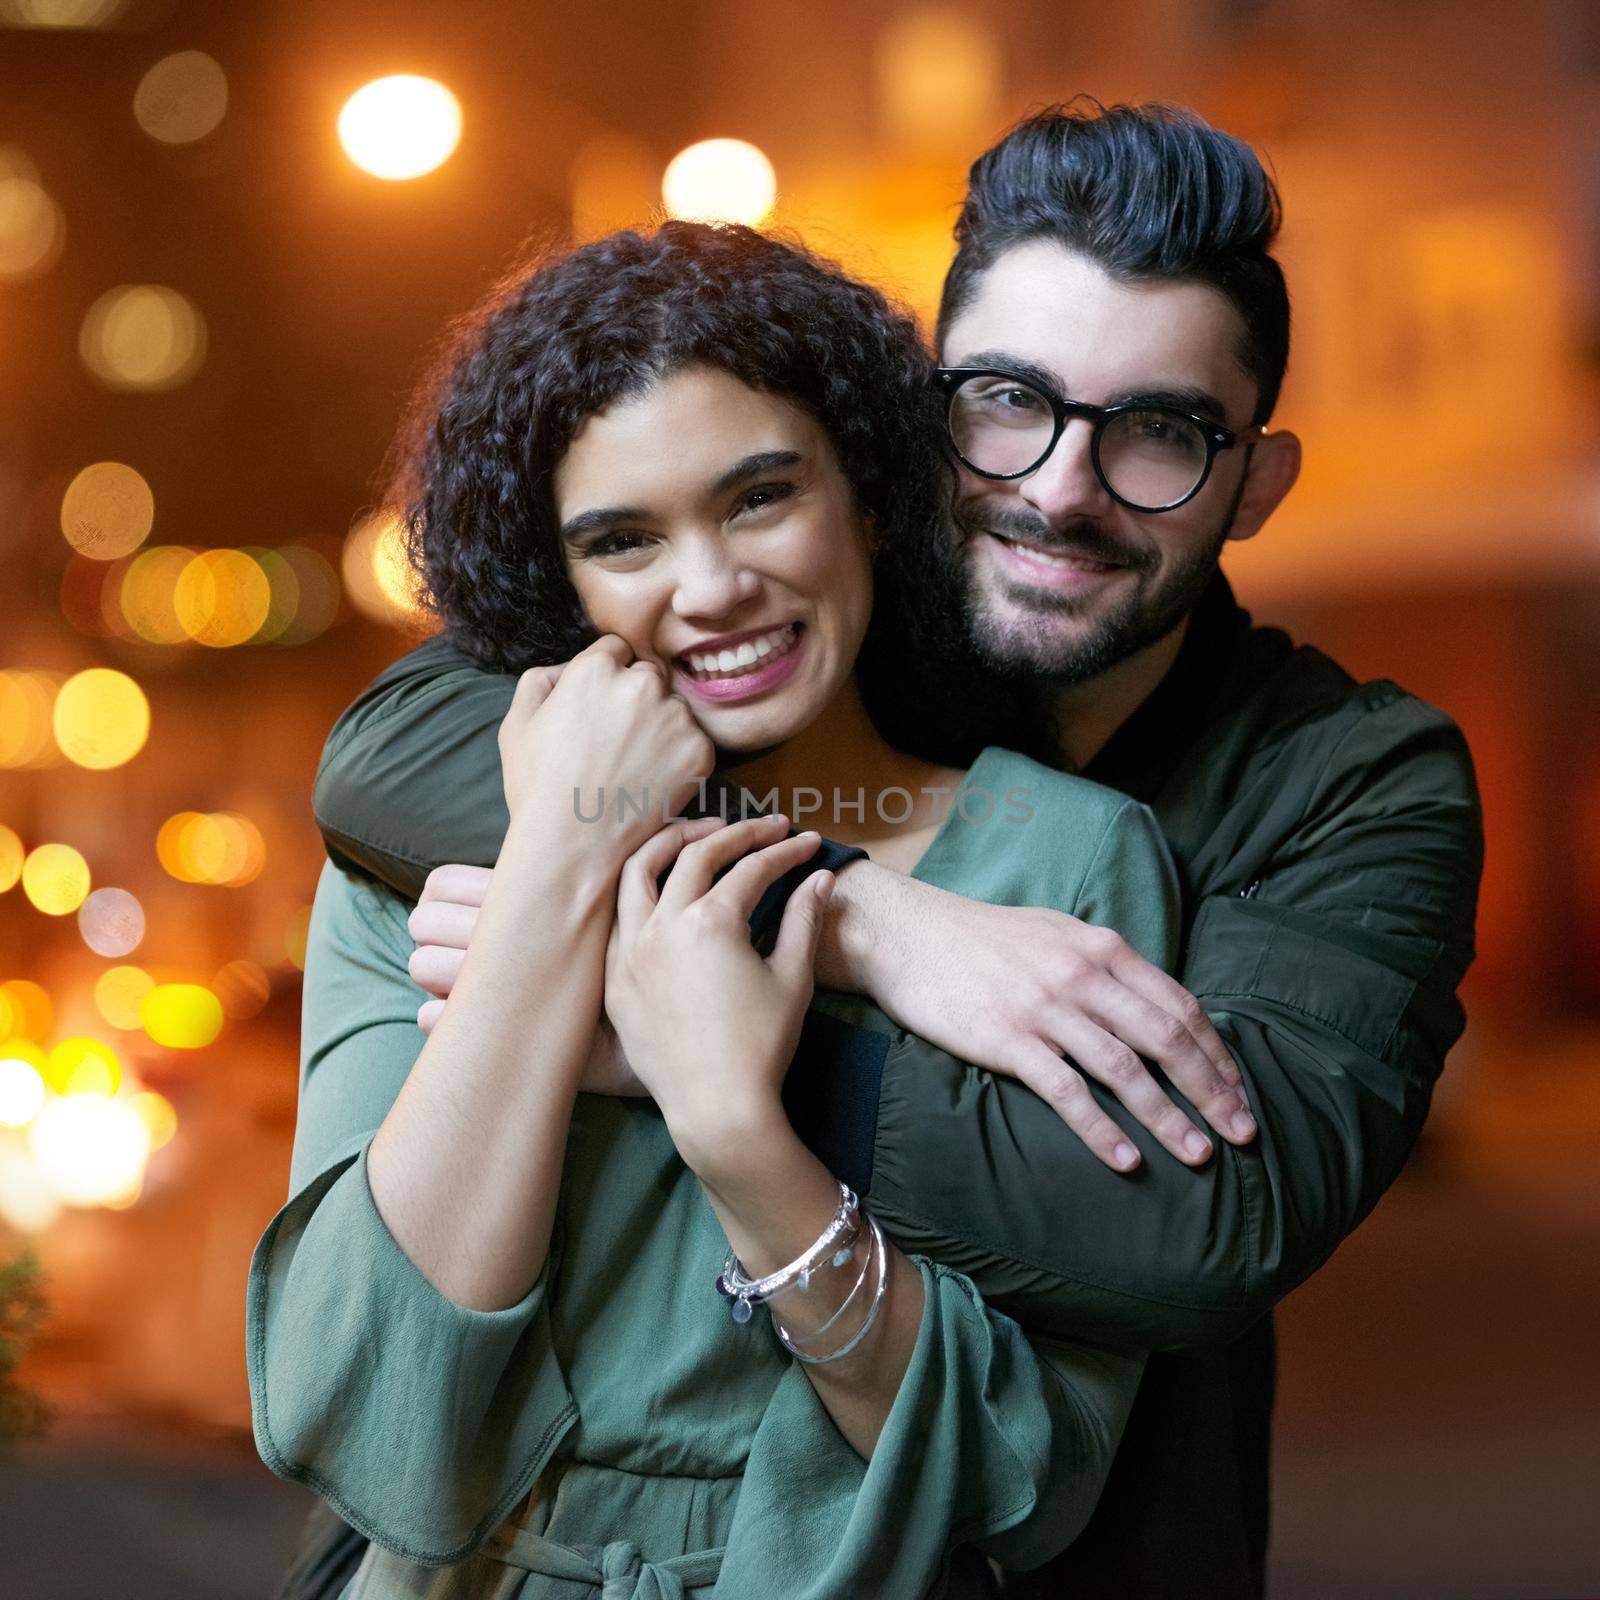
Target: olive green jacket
<point x="1328" y="840"/>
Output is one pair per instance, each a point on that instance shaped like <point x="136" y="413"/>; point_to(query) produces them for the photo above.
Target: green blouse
<point x="615" y="1434"/>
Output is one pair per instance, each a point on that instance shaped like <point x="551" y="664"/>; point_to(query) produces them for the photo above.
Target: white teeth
<point x="741" y="657"/>
<point x="1070" y="563"/>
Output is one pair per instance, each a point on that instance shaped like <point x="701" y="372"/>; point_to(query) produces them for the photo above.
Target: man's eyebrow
<point x="753" y="466"/>
<point x="1179" y="397"/>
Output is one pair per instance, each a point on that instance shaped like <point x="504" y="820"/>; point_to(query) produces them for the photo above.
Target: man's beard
<point x="1023" y="643"/>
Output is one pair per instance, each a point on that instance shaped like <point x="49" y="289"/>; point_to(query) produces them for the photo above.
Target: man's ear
<point x="1270" y="472"/>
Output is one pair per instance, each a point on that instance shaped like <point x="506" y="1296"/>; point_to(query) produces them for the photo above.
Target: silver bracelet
<point x="816" y="1333"/>
<point x="872" y="1310"/>
<point x="837" y="1239"/>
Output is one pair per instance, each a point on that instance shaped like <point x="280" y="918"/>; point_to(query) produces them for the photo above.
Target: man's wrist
<point x="851" y="954"/>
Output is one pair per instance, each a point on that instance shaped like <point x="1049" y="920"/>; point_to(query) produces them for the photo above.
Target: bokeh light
<point x="243" y="987"/>
<point x="27" y="707"/>
<point x="119" y="993"/>
<point x="22" y="1091"/>
<point x="107" y="511"/>
<point x="378" y="577"/>
<point x="101" y="718"/>
<point x="158" y="1116"/>
<point x="90" y="1150"/>
<point x="55" y="878"/>
<point x="217" y="847"/>
<point x="221" y="598"/>
<point x="111" y="922"/>
<point x="60" y="13"/>
<point x="26" y="1200"/>
<point x="142" y="336"/>
<point x="720" y="180"/>
<point x="32" y="230"/>
<point x="29" y="1010"/>
<point x="144" y="599"/>
<point x="181" y="98"/>
<point x="11" y="857"/>
<point x="181" y="1016"/>
<point x="400" y="127"/>
<point x="295" y="937"/>
<point x="82" y="1065"/>
<point x="316" y="606"/>
<point x="939" y="76"/>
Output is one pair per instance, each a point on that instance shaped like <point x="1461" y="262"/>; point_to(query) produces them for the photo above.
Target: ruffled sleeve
<point x="422" y="1422"/>
<point x="993" y="1443"/>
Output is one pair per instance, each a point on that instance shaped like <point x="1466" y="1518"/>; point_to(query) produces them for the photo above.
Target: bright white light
<point x="720" y="180"/>
<point x="400" y="127"/>
<point x="21" y="1093"/>
<point x="91" y="1151"/>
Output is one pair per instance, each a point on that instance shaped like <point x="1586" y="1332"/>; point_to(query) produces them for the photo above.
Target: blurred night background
<point x="210" y="315"/>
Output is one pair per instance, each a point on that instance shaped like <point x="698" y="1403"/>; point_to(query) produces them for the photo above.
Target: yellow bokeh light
<point x="92" y="1151"/>
<point x="22" y="1091"/>
<point x="295" y="937"/>
<point x="939" y="76"/>
<point x="221" y="598"/>
<point x="155" y="1111"/>
<point x="720" y="180"/>
<point x="119" y="993"/>
<point x="55" y="878"/>
<point x="181" y="1016"/>
<point x="378" y="576"/>
<point x="142" y="336"/>
<point x="107" y="511"/>
<point x="101" y="719"/>
<point x="400" y="127"/>
<point x="283" y="592"/>
<point x="31" y="1012"/>
<point x="181" y="98"/>
<point x="83" y="1066"/>
<point x="215" y="847"/>
<point x="32" y="231"/>
<point x="11" y="857"/>
<point x="145" y="596"/>
<point x="27" y="700"/>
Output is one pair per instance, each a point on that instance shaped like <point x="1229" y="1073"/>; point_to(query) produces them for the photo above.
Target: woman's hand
<point x="599" y="742"/>
<point x="707" y="1023"/>
<point x="442" y="926"/>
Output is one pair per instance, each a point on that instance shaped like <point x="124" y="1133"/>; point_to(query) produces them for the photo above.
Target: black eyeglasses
<point x="1147" y="457"/>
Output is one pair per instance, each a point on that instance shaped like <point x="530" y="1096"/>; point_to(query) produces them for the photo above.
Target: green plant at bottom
<point x="23" y="1414"/>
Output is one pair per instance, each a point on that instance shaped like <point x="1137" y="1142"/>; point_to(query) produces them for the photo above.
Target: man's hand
<point x="442" y="925"/>
<point x="1016" y="989"/>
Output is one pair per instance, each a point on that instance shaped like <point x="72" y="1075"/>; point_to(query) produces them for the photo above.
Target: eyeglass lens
<point x="1149" y="458"/>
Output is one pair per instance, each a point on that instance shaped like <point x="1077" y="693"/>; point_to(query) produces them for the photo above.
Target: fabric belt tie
<point x="617" y="1569"/>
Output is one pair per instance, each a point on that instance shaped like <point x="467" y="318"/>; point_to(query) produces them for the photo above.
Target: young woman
<point x="486" y="1327"/>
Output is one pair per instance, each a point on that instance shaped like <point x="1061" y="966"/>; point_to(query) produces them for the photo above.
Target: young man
<point x="1113" y="335"/>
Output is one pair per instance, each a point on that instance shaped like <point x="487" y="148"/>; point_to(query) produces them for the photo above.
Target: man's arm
<point x="1334" y="985"/>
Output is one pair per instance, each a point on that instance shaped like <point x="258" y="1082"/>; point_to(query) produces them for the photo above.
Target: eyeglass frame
<point x="1217" y="438"/>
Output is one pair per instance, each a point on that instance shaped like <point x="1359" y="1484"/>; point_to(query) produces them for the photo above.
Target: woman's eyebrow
<point x="752" y="467"/>
<point x="574" y="528"/>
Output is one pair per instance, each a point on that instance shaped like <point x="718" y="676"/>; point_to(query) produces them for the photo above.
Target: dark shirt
<point x="1328" y="837"/>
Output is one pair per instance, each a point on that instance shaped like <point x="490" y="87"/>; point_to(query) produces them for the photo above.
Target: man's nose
<point x="1066" y="485"/>
<point x="712" y="582"/>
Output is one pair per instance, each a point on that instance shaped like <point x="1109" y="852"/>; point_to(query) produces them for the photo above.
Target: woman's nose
<point x="712" y="583"/>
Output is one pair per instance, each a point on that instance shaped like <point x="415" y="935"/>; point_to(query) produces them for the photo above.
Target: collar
<point x="1144" y="752"/>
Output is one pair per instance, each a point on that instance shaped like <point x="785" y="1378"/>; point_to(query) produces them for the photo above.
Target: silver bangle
<point x="872" y="1310"/>
<point x="816" y="1333"/>
<point x="745" y="1291"/>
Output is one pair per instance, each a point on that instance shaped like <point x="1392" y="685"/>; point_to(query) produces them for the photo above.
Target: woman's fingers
<point x="700" y="862"/>
<point x="636" y="888"/>
<point x="794" y="956"/>
<point x="457" y="882"/>
<point x="741" y="887"/>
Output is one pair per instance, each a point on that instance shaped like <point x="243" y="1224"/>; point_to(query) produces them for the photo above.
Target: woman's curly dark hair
<point x="574" y="333"/>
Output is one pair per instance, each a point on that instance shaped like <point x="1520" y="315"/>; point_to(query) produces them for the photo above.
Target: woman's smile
<point x="742" y="666"/>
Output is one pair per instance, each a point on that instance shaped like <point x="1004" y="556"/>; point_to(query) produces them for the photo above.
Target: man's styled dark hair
<point x="567" y="335"/>
<point x="1144" y="192"/>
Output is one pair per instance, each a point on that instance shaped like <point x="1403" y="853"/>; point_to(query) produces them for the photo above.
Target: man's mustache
<point x="1082" y="537"/>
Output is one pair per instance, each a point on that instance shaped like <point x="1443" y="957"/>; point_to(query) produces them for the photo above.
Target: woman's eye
<point x="619" y="543"/>
<point x="764" y="495"/>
